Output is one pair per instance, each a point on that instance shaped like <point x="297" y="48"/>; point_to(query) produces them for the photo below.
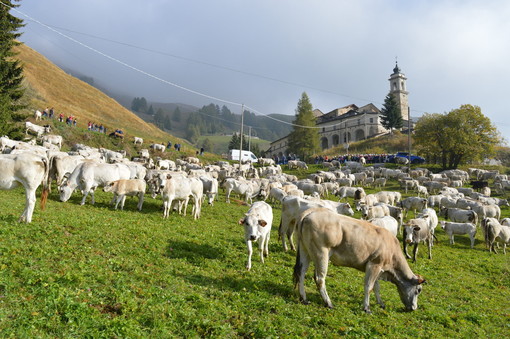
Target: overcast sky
<point x="265" y="53"/>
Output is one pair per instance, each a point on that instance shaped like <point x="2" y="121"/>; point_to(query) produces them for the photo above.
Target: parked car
<point x="415" y="159"/>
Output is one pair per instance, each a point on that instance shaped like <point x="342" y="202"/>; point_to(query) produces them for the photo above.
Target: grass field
<point x="90" y="271"/>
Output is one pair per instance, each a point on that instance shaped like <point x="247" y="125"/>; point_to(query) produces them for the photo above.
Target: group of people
<point x="176" y="146"/>
<point x="368" y="158"/>
<point x="50" y="114"/>
<point x="92" y="126"/>
<point x="282" y="160"/>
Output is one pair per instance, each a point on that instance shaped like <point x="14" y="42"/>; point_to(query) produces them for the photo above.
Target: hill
<point x="49" y="86"/>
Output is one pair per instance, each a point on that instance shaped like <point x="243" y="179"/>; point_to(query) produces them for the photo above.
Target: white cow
<point x="158" y="147"/>
<point x="29" y="170"/>
<point x="210" y="188"/>
<point x="53" y="139"/>
<point x="37" y="115"/>
<point x="387" y="222"/>
<point x="36" y="129"/>
<point x="415" y="231"/>
<point x="452" y="228"/>
<point x="257" y="227"/>
<point x="244" y="189"/>
<point x="126" y="187"/>
<point x="87" y="176"/>
<point x="413" y="203"/>
<point x="138" y="141"/>
<point x="325" y="236"/>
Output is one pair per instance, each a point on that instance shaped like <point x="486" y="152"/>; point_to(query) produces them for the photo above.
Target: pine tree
<point x="391" y="116"/>
<point x="304" y="138"/>
<point x="11" y="72"/>
<point x="176" y="115"/>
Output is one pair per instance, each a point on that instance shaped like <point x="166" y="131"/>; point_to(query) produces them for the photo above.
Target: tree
<point x="176" y="115"/>
<point x="150" y="111"/>
<point x="462" y="135"/>
<point x="139" y="105"/>
<point x="11" y="72"/>
<point x="234" y="142"/>
<point x="391" y="116"/>
<point x="208" y="145"/>
<point x="304" y="138"/>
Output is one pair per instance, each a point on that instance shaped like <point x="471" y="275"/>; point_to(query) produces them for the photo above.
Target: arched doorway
<point x="359" y="135"/>
<point x="336" y="139"/>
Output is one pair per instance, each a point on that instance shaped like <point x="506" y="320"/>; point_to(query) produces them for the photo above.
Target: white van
<point x="233" y="154"/>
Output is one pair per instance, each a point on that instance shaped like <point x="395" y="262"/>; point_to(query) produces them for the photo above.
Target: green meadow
<point x="90" y="271"/>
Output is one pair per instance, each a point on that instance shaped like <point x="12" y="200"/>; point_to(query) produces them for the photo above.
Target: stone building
<point x="351" y="123"/>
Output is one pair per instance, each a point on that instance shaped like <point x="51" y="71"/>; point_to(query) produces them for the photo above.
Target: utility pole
<point x="249" y="139"/>
<point x="241" y="136"/>
<point x="409" y="135"/>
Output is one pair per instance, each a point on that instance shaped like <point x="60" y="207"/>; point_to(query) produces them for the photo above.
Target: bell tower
<point x="398" y="89"/>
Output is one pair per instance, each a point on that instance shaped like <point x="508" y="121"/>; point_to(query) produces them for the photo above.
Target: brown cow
<point x="324" y="235"/>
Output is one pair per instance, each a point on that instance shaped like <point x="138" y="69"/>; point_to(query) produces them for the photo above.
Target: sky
<point x="265" y="53"/>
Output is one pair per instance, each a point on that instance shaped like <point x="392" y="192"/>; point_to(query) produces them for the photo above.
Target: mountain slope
<point x="49" y="86"/>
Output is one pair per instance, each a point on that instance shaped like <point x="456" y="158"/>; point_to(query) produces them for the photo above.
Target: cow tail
<point x="475" y="218"/>
<point x="297" y="267"/>
<point x="45" y="191"/>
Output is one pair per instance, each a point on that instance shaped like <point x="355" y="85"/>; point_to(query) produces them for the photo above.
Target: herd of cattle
<point x="325" y="230"/>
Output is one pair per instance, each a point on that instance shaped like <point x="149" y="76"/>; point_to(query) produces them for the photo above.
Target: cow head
<point x="65" y="192"/>
<point x="108" y="186"/>
<point x="409" y="291"/>
<point x="253" y="227"/>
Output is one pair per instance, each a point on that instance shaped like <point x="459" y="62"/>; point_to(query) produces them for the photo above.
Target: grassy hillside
<point x="49" y="86"/>
<point x="220" y="142"/>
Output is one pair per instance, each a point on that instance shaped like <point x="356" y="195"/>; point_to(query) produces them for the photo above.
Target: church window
<point x="371" y="120"/>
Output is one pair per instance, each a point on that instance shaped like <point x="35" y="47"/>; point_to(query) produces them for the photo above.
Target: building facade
<point x="351" y="123"/>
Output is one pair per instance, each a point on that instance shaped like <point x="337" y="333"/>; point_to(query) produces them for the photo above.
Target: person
<point x="51" y="113"/>
<point x="201" y="151"/>
<point x="61" y="117"/>
<point x="75" y="121"/>
<point x="176" y="146"/>
<point x="169" y="145"/>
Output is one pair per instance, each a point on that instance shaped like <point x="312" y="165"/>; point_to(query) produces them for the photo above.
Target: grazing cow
<point x="387" y="222"/>
<point x="380" y="182"/>
<point x="37" y="115"/>
<point x="293" y="206"/>
<point x="479" y="184"/>
<point x="244" y="189"/>
<point x="210" y="188"/>
<point x="36" y="129"/>
<point x="29" y="170"/>
<point x="138" y="141"/>
<point x="413" y="203"/>
<point x="53" y="139"/>
<point x="377" y="211"/>
<point x="452" y="228"/>
<point x="459" y="215"/>
<point x="325" y="236"/>
<point x="179" y="188"/>
<point x="353" y="192"/>
<point x="158" y="147"/>
<point x="165" y="164"/>
<point x="491" y="211"/>
<point x="276" y="195"/>
<point x="494" y="231"/>
<point x="257" y="226"/>
<point x="415" y="231"/>
<point x="87" y="176"/>
<point x="126" y="187"/>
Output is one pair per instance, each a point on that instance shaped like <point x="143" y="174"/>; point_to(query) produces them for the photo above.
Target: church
<point x="351" y="123"/>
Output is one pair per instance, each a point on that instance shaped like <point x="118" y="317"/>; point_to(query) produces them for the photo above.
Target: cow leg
<point x="140" y="200"/>
<point x="300" y="268"/>
<point x="185" y="205"/>
<point x="122" y="199"/>
<point x="371" y="275"/>
<point x="227" y="195"/>
<point x="405" y="249"/>
<point x="265" y="247"/>
<point x="377" y="292"/>
<point x="282" y="234"/>
<point x="29" y="205"/>
<point x="415" y="251"/>
<point x="321" y="271"/>
<point x="452" y="241"/>
<point x="429" y="243"/>
<point x="250" y="252"/>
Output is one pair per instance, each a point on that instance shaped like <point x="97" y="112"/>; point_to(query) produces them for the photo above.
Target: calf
<point x="491" y="229"/>
<point x="257" y="225"/>
<point x="416" y="231"/>
<point x="326" y="236"/>
<point x="452" y="228"/>
<point x="126" y="187"/>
